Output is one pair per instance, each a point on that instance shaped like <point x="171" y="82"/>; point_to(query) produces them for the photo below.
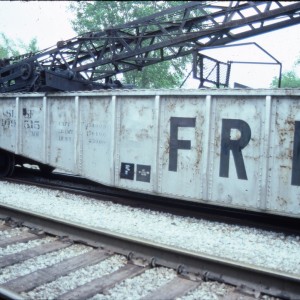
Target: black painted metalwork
<point x="212" y="72"/>
<point x="209" y="70"/>
<point x="91" y="60"/>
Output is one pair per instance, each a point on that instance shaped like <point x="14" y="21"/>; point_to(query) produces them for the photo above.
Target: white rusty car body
<point x="236" y="148"/>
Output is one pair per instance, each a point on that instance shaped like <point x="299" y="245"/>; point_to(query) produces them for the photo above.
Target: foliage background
<point x="10" y="48"/>
<point x="289" y="79"/>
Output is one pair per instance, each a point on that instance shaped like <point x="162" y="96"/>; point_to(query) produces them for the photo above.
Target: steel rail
<point x="6" y="294"/>
<point x="271" y="282"/>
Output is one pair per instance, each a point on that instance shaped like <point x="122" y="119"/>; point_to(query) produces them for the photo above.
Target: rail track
<point x="190" y="271"/>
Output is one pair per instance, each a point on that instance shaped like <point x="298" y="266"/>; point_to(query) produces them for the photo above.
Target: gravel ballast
<point x="139" y="286"/>
<point x="40" y="262"/>
<point x="208" y="291"/>
<point x="5" y="234"/>
<point x="84" y="275"/>
<point x="15" y="248"/>
<point x="252" y="246"/>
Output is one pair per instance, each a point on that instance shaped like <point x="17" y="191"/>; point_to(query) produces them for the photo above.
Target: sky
<point x="50" y="22"/>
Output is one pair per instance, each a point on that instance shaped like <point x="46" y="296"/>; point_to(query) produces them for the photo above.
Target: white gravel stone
<point x="40" y="262"/>
<point x="139" y="286"/>
<point x="5" y="234"/>
<point x="74" y="279"/>
<point x="18" y="247"/>
<point x="244" y="244"/>
<point x="208" y="291"/>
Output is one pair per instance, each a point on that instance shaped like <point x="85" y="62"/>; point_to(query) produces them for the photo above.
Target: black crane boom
<point x="89" y="61"/>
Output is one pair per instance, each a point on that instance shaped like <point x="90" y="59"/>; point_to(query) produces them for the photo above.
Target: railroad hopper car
<point x="231" y="147"/>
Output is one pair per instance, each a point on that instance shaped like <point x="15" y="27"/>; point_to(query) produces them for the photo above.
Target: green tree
<point x="99" y="15"/>
<point x="31" y="47"/>
<point x="7" y="47"/>
<point x="289" y="79"/>
<point x="10" y="48"/>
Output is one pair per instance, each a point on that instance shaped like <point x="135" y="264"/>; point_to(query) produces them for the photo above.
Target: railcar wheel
<point x="7" y="164"/>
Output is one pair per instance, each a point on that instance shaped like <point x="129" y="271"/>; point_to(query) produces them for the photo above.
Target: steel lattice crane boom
<point x="90" y="61"/>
